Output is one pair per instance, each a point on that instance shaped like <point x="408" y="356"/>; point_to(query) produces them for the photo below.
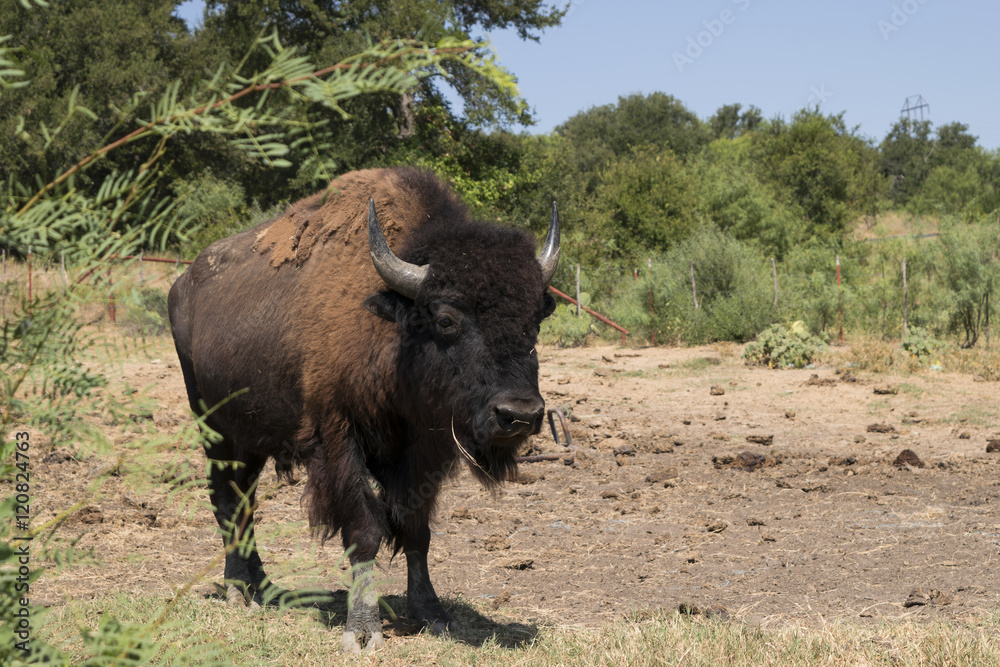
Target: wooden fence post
<point x="694" y="291"/>
<point x="906" y="311"/>
<point x="774" y="272"/>
<point x="989" y="293"/>
<point x="578" y="289"/>
<point x="840" y="303"/>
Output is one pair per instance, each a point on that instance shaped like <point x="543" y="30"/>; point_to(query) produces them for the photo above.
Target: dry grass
<point x="727" y="349"/>
<point x="895" y="223"/>
<point x="877" y="355"/>
<point x="874" y="354"/>
<point x="657" y="637"/>
<point x="983" y="361"/>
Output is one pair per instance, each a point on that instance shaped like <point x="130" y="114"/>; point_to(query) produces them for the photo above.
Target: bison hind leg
<point x="233" y="495"/>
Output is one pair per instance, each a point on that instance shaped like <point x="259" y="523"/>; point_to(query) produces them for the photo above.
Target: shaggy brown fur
<point x="370" y="399"/>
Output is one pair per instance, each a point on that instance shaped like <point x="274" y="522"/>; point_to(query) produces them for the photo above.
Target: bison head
<point x="468" y="300"/>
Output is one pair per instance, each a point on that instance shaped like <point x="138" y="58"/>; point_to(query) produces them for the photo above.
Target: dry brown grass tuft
<point x="877" y="355"/>
<point x="982" y="361"/>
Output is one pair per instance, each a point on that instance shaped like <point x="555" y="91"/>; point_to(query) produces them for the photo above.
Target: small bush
<point x="920" y="344"/>
<point x="564" y="328"/>
<point x="733" y="289"/>
<point x="971" y="268"/>
<point x="781" y="347"/>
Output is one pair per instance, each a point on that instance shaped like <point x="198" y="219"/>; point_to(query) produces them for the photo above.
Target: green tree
<point x="959" y="176"/>
<point x="910" y="156"/>
<point x="728" y="122"/>
<point x="374" y="126"/>
<point x="818" y="165"/>
<point x="636" y="120"/>
<point x="906" y="152"/>
<point x="91" y="65"/>
<point x="645" y="202"/>
<point x="951" y="190"/>
<point x="737" y="201"/>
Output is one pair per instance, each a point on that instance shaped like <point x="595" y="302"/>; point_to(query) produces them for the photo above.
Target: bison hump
<point x="403" y="196"/>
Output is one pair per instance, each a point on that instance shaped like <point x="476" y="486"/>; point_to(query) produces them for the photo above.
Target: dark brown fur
<point x="367" y="403"/>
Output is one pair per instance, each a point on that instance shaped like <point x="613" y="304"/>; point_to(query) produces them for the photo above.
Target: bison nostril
<point x="519" y="415"/>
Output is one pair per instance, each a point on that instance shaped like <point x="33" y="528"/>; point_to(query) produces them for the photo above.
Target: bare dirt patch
<point x="663" y="506"/>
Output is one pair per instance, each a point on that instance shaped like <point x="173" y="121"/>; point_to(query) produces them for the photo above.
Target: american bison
<point x="374" y="370"/>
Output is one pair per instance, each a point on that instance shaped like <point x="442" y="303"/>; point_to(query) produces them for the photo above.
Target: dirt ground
<point x="661" y="499"/>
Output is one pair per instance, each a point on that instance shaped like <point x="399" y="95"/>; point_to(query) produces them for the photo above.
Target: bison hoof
<point x="350" y="641"/>
<point x="441" y="627"/>
<point x="235" y="596"/>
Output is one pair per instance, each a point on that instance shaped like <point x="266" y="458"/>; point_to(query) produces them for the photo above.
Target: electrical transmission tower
<point x="914" y="104"/>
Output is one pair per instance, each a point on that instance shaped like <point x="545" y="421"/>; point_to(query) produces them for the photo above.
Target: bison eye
<point x="447" y="328"/>
<point x="447" y="321"/>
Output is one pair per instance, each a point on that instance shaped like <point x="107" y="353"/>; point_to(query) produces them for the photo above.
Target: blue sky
<point x="862" y="57"/>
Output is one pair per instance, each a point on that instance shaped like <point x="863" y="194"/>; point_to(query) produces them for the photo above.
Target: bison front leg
<point x="363" y="623"/>
<point x="363" y="626"/>
<point x="421" y="599"/>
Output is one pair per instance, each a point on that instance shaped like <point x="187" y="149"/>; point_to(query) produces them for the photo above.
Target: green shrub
<point x="971" y="269"/>
<point x="733" y="284"/>
<point x="781" y="347"/>
<point x="217" y="209"/>
<point x="807" y="286"/>
<point x="920" y="344"/>
<point x="564" y="328"/>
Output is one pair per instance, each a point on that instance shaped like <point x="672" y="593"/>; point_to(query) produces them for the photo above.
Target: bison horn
<point x="400" y="276"/>
<point x="549" y="257"/>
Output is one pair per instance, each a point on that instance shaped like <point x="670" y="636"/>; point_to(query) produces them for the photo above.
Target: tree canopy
<point x="631" y="177"/>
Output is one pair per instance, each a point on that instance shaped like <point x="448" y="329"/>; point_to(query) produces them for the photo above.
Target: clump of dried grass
<point x="877" y="355"/>
<point x="982" y="361"/>
<point x="726" y="349"/>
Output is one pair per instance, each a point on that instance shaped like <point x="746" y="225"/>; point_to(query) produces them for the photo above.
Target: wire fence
<point x="881" y="291"/>
<point x="884" y="291"/>
<point x="26" y="275"/>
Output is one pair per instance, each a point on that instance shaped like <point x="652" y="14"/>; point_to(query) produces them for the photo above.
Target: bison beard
<point x="376" y="372"/>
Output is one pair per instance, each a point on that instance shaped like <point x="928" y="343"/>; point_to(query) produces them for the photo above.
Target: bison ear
<point x="388" y="305"/>
<point x="548" y="305"/>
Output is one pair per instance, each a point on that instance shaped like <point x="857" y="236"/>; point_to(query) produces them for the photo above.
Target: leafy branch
<point x="389" y="66"/>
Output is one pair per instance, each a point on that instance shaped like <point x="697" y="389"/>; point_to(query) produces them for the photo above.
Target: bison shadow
<point x="476" y="629"/>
